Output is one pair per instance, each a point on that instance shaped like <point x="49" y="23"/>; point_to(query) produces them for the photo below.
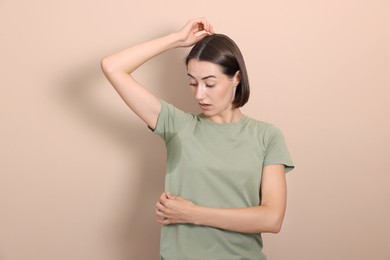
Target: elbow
<point x="275" y="228"/>
<point x="275" y="223"/>
<point x="109" y="66"/>
<point x="106" y="66"/>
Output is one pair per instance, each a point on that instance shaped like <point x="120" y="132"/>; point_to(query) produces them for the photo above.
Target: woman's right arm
<point x="118" y="67"/>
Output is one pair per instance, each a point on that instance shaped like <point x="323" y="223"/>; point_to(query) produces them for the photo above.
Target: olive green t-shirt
<point x="216" y="165"/>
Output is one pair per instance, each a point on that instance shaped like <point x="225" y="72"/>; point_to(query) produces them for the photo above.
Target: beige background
<point x="80" y="174"/>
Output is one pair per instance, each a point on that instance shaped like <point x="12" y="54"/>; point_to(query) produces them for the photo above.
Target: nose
<point x="200" y="93"/>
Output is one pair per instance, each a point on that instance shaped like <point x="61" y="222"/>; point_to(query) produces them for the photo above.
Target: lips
<point x="205" y="106"/>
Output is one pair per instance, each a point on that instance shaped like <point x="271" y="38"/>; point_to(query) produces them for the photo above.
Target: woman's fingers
<point x="211" y="30"/>
<point x="160" y="207"/>
<point x="163" y="198"/>
<point x="160" y="213"/>
<point x="194" y="31"/>
<point x="166" y="208"/>
<point x="162" y="218"/>
<point x="204" y="25"/>
<point x="170" y="196"/>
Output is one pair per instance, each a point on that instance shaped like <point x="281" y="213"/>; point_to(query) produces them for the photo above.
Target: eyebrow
<point x="204" y="78"/>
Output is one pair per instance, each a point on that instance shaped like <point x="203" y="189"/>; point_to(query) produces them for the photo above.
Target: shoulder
<point x="265" y="132"/>
<point x="265" y="128"/>
<point x="171" y="120"/>
<point x="170" y="110"/>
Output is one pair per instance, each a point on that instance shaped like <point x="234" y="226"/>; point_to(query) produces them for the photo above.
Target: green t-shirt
<point x="216" y="165"/>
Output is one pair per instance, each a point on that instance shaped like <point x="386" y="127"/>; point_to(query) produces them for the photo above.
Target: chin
<point x="208" y="113"/>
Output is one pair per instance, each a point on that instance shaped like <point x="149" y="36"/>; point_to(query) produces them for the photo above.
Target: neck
<point x="231" y="116"/>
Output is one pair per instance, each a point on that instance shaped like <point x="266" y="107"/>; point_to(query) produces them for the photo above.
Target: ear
<point x="237" y="78"/>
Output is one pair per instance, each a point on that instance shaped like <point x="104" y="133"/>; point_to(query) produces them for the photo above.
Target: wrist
<point x="196" y="215"/>
<point x="175" y="40"/>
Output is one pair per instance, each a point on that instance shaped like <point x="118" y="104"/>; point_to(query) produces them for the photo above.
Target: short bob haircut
<point x="223" y="51"/>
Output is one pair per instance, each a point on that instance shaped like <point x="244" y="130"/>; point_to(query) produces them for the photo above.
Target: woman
<point x="225" y="181"/>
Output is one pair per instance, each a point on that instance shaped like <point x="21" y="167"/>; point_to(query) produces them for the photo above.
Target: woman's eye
<point x="193" y="84"/>
<point x="210" y="86"/>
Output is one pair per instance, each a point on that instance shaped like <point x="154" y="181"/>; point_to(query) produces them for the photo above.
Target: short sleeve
<point x="277" y="151"/>
<point x="170" y="121"/>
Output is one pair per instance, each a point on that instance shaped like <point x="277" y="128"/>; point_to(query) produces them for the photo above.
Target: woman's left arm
<point x="267" y="217"/>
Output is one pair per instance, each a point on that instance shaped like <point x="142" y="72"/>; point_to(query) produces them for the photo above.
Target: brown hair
<point x="223" y="51"/>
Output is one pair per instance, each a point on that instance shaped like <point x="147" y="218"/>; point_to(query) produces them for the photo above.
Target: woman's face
<point x="213" y="90"/>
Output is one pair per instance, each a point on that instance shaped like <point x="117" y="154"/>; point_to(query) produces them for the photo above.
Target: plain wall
<point x="80" y="173"/>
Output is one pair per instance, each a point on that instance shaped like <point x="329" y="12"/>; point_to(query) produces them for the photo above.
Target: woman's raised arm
<point x="118" y="67"/>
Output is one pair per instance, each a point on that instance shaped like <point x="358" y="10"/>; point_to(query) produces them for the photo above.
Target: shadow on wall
<point x="134" y="237"/>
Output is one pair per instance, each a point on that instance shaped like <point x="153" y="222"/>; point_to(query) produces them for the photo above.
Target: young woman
<point x="225" y="177"/>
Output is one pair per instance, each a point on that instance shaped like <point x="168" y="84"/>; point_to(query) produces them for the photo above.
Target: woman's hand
<point x="194" y="31"/>
<point x="174" y="210"/>
<point x="265" y="218"/>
